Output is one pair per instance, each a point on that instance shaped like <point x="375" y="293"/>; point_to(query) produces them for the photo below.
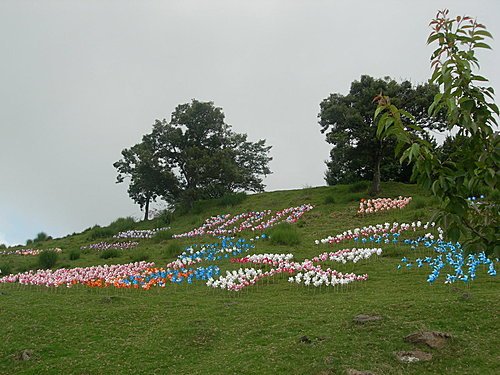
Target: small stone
<point x="305" y="340"/>
<point x="352" y="371"/>
<point x="24" y="355"/>
<point x="363" y="318"/>
<point x="413" y="356"/>
<point x="433" y="339"/>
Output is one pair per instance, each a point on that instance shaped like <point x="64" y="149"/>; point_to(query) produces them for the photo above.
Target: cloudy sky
<point x="81" y="80"/>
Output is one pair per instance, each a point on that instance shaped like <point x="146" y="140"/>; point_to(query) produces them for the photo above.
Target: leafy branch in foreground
<point x="473" y="168"/>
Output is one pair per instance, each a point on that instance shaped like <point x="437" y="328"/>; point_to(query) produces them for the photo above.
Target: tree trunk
<point x="375" y="189"/>
<point x="146" y="210"/>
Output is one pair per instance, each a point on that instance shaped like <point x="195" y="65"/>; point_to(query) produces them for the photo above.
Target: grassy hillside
<point x="272" y="327"/>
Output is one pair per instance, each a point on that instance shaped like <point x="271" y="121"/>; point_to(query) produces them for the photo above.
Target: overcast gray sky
<point x="81" y="80"/>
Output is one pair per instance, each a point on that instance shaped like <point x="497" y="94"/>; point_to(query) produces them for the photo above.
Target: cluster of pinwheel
<point x="348" y="255"/>
<point x="318" y="278"/>
<point x="145" y="233"/>
<point x="81" y="275"/>
<point x="449" y="256"/>
<point x="370" y="206"/>
<point x="237" y="280"/>
<point x="101" y="246"/>
<point x="227" y="247"/>
<point x="267" y="259"/>
<point x="160" y="277"/>
<point x="254" y="221"/>
<point x="379" y="229"/>
<point x="306" y="271"/>
<point x="31" y="252"/>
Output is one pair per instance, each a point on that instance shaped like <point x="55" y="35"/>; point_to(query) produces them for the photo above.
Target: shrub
<point x="284" y="234"/>
<point x="359" y="187"/>
<point x="47" y="259"/>
<point x="162" y="235"/>
<point x="74" y="254"/>
<point x="329" y="199"/>
<point x="5" y="269"/>
<point x="110" y="253"/>
<point x="122" y="224"/>
<point x="97" y="232"/>
<point x="41" y="237"/>
<point x="29" y="242"/>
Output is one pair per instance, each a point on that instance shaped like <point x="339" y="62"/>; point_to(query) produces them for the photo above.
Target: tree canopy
<point x="148" y="178"/>
<point x="347" y="120"/>
<point x="194" y="156"/>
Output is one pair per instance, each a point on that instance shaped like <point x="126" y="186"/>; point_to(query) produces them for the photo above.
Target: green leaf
<point x="479" y="78"/>
<point x="379" y="109"/>
<point x="494" y="108"/>
<point x="407" y="114"/>
<point x="482" y="45"/>
<point x="433" y="37"/>
<point x="483" y="32"/>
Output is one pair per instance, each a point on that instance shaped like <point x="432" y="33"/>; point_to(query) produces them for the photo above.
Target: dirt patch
<point x="433" y="339"/>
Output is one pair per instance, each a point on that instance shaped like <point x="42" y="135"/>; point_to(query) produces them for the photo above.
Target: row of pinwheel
<point x="80" y="275"/>
<point x="379" y="229"/>
<point x="225" y="248"/>
<point x="140" y="234"/>
<point x="370" y="206"/>
<point x="31" y="252"/>
<point x="101" y="246"/>
<point x="253" y="220"/>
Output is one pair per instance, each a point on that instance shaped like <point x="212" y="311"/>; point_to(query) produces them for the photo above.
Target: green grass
<point x="193" y="330"/>
<point x="284" y="234"/>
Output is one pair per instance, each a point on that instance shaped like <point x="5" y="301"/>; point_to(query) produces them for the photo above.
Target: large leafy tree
<point x="207" y="157"/>
<point x="194" y="156"/>
<point x="469" y="164"/>
<point x="357" y="154"/>
<point x="149" y="179"/>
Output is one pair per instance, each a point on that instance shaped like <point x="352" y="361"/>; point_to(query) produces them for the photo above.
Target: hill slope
<point x="272" y="327"/>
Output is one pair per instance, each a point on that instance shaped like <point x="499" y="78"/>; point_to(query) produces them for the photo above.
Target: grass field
<point x="274" y="327"/>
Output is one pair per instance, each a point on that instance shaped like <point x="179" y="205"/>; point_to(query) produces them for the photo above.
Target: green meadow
<point x="274" y="327"/>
